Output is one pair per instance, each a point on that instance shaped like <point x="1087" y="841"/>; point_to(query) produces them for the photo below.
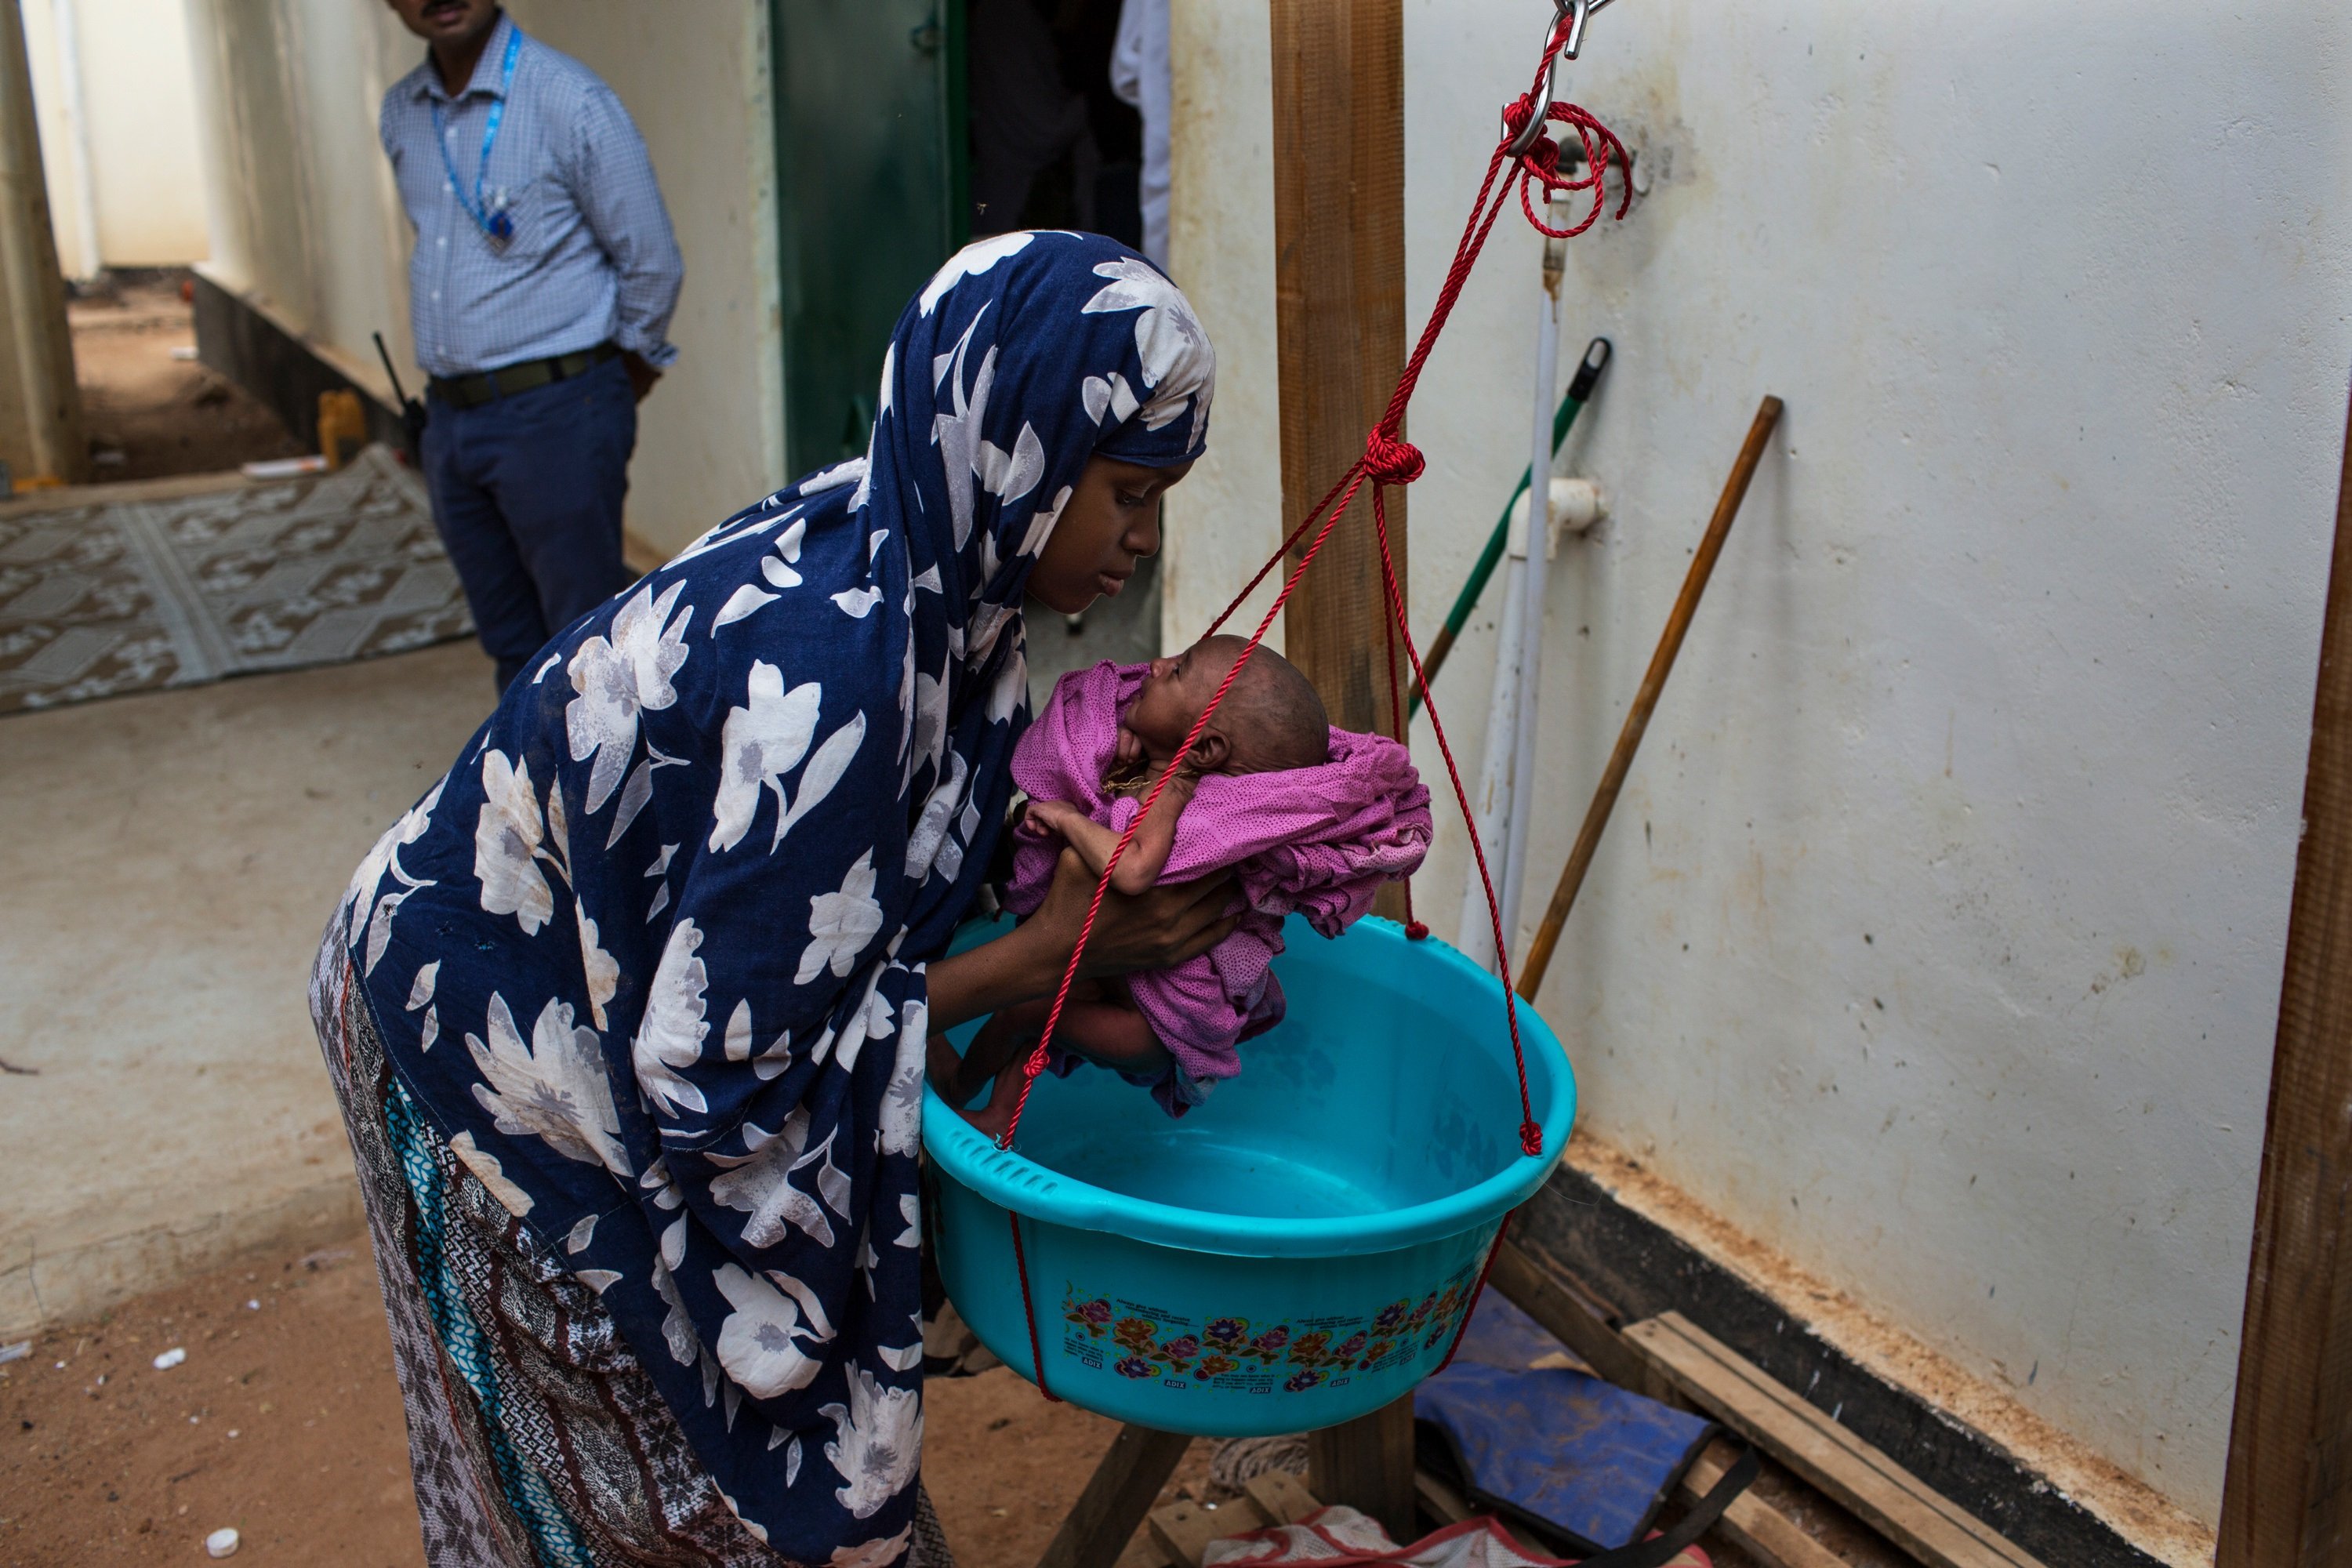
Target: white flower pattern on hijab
<point x="715" y="855"/>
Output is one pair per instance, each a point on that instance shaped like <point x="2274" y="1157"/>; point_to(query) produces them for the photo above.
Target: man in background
<point x="539" y="292"/>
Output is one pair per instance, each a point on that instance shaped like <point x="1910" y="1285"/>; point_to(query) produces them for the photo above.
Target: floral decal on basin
<point x="1147" y="1341"/>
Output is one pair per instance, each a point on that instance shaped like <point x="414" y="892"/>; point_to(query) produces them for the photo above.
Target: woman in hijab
<point x="628" y="1014"/>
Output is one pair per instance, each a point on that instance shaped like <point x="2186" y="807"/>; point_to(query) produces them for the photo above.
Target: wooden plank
<point x="1750" y="1523"/>
<point x="1542" y="1294"/>
<point x="2287" y="1499"/>
<point x="1889" y="1497"/>
<point x="1183" y="1529"/>
<point x="1339" y="329"/>
<point x="1117" y="1496"/>
<point x="1367" y="1463"/>
<point x="1282" y="1496"/>
<point x="1551" y="1295"/>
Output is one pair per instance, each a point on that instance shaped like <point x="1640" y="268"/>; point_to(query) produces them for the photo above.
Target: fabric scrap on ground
<point x="1339" y="1536"/>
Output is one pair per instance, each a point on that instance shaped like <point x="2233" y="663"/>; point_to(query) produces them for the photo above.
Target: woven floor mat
<point x="134" y="587"/>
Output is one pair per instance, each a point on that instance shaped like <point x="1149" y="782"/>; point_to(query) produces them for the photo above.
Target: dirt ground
<point x="148" y="414"/>
<point x="284" y="1421"/>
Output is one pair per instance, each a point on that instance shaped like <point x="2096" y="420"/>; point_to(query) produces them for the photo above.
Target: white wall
<point x="1937" y="937"/>
<point x="304" y="217"/>
<point x="135" y="93"/>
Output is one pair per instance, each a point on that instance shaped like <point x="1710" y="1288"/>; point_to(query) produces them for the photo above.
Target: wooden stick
<point x="2287" y="1499"/>
<point x="1433" y="659"/>
<point x="1645" y="701"/>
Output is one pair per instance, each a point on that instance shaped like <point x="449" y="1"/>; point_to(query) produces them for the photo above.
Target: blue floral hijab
<point x="651" y="955"/>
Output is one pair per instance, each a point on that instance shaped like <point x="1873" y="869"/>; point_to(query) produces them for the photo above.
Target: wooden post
<point x="2287" y="1499"/>
<point x="1367" y="1463"/>
<point x="1338" y="237"/>
<point x="1118" y="1497"/>
<point x="40" y="404"/>
<point x="1339" y="241"/>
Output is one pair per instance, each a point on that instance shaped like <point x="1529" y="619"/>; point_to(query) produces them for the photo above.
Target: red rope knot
<point x="1530" y="1136"/>
<point x="1515" y="116"/>
<point x="1390" y="461"/>
<point x="1416" y="932"/>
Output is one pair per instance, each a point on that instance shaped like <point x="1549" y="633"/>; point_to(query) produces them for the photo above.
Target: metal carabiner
<point x="1578" y="13"/>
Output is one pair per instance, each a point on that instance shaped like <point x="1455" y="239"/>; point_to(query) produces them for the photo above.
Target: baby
<point x="1312" y="819"/>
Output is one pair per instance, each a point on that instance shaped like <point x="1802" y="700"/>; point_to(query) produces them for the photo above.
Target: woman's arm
<point x="1157" y="929"/>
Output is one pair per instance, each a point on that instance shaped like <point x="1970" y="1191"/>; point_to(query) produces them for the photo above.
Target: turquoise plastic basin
<point x="1295" y="1253"/>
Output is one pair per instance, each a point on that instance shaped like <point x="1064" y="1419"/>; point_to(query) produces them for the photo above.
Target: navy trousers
<point x="527" y="495"/>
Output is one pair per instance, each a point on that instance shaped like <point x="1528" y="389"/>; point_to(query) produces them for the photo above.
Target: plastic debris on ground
<point x="221" y="1544"/>
<point x="170" y="1358"/>
<point x="17" y="1352"/>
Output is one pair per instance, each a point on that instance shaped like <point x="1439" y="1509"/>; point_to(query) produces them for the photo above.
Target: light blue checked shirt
<point x="593" y="258"/>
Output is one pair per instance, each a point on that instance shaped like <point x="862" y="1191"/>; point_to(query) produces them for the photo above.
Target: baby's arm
<point x="1147" y="854"/>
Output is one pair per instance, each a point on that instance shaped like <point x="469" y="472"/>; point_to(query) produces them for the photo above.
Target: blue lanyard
<point x="499" y="225"/>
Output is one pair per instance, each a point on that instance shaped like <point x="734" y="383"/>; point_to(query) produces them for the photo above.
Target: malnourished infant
<point x="1312" y="819"/>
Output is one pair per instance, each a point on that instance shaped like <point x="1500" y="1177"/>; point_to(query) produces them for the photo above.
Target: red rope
<point x="1029" y="1309"/>
<point x="1463" y="1328"/>
<point x="1388" y="459"/>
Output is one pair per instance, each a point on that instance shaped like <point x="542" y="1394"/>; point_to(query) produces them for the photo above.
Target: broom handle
<point x="1645" y="701"/>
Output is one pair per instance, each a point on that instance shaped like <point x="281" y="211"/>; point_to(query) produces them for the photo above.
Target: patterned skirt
<point x="536" y="1438"/>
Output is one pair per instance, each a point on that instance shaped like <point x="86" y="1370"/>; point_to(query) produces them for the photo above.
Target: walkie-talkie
<point x="412" y="412"/>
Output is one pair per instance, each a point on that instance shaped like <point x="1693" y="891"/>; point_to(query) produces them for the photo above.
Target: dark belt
<point x="473" y="391"/>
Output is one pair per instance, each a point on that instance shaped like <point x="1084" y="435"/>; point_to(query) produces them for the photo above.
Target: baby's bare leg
<point x="997" y="1115"/>
<point x="1112" y="1032"/>
<point x="998" y="1045"/>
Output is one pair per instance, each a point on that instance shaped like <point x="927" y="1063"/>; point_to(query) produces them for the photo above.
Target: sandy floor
<point x="285" y="1424"/>
<point x="172" y="858"/>
<point x="148" y="414"/>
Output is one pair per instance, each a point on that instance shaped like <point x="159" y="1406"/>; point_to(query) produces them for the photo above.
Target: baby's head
<point x="1270" y="720"/>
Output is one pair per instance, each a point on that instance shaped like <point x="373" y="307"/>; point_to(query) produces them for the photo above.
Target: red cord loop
<point x="1539" y="168"/>
<point x="1530" y="1136"/>
<point x="1416" y="932"/>
<point x="1390" y="461"/>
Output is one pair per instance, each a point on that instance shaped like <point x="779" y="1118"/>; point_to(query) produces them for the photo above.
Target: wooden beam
<point x="1118" y="1497"/>
<point x="1339" y="240"/>
<point x="2287" y="1499"/>
<point x="1544" y="1295"/>
<point x="40" y="402"/>
<point x="1339" y="235"/>
<point x="1890" y="1498"/>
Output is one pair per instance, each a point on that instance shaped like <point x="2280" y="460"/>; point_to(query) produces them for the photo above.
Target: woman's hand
<point x="1157" y="929"/>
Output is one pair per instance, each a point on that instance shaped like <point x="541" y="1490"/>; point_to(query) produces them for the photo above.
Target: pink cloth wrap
<point x="1319" y="841"/>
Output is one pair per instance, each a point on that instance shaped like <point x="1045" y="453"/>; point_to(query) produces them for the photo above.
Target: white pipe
<point x="1531" y="611"/>
<point x="1491" y="806"/>
<point x="88" y="264"/>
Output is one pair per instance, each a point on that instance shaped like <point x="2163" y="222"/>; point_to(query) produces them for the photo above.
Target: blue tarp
<point x="1554" y="1445"/>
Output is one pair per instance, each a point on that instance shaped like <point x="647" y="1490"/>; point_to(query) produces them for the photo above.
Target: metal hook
<point x="1577" y="12"/>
